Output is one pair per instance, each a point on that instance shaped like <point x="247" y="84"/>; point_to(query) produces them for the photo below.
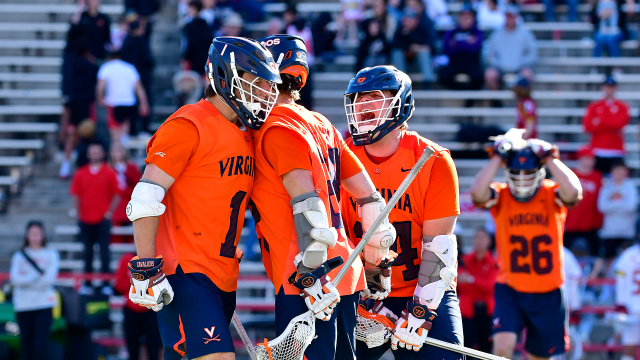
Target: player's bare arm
<point x="481" y="189"/>
<point x="359" y="185"/>
<point x="145" y="229"/>
<point x="569" y="189"/>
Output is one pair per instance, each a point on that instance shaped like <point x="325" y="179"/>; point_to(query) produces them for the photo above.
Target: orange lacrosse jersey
<point x="321" y="150"/>
<point x="212" y="162"/>
<point x="529" y="238"/>
<point x="433" y="194"/>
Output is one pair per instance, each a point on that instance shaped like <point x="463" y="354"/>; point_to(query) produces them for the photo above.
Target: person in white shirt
<point x="627" y="271"/>
<point x="618" y="202"/>
<point x="34" y="269"/>
<point x="119" y="89"/>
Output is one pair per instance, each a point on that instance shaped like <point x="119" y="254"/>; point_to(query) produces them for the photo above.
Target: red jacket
<point x="585" y="216"/>
<point x="123" y="283"/>
<point x="604" y="120"/>
<point x="95" y="192"/>
<point x="127" y="180"/>
<point x="481" y="289"/>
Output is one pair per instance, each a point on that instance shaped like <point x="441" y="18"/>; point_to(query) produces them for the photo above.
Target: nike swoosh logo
<point x="404" y="170"/>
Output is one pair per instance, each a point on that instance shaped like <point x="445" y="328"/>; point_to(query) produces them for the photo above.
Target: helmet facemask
<point x="523" y="184"/>
<point x="364" y="117"/>
<point x="249" y="96"/>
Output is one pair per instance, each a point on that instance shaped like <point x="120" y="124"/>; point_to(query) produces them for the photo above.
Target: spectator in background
<point x="119" y="33"/>
<point x="438" y="13"/>
<point x="275" y="26"/>
<point x="323" y="36"/>
<point x="463" y="48"/>
<point x="250" y="10"/>
<point x="298" y="26"/>
<point x="118" y="86"/>
<point x="511" y="49"/>
<point x="140" y="324"/>
<point x="380" y="11"/>
<point x="231" y="26"/>
<point x="145" y="9"/>
<point x="128" y="175"/>
<point x="196" y="41"/>
<point x="628" y="297"/>
<point x="610" y="24"/>
<point x="374" y="49"/>
<point x="550" y="14"/>
<point x="351" y="15"/>
<point x="476" y="278"/>
<point x="87" y="135"/>
<point x="96" y="195"/>
<point x="79" y="73"/>
<point x="136" y="51"/>
<point x="211" y="14"/>
<point x="584" y="220"/>
<point x="34" y="269"/>
<point x="605" y="120"/>
<point x="414" y="40"/>
<point x="97" y="29"/>
<point x="490" y="16"/>
<point x="526" y="109"/>
<point x="618" y="203"/>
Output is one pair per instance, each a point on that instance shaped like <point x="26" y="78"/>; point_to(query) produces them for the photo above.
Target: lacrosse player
<point x="420" y="292"/>
<point x="188" y="209"/>
<point x="627" y="270"/>
<point x="529" y="213"/>
<point x="301" y="165"/>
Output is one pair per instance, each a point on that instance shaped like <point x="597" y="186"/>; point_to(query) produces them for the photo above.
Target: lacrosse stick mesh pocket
<point x="292" y="343"/>
<point x="373" y="329"/>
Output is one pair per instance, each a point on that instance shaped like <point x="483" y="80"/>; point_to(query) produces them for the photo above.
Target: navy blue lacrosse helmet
<point x="377" y="114"/>
<point x="290" y="53"/>
<point x="524" y="173"/>
<point x="229" y="58"/>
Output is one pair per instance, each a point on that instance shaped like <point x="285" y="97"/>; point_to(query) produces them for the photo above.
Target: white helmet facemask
<point x="523" y="184"/>
<point x="256" y="99"/>
<point x="364" y="116"/>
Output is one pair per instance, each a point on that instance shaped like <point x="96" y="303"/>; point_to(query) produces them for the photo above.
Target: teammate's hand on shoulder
<point x="543" y="149"/>
<point x="319" y="294"/>
<point x="149" y="285"/>
<point x="413" y="326"/>
<point x="379" y="278"/>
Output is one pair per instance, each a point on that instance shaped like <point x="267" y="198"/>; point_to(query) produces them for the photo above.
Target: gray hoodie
<point x="510" y="51"/>
<point x="618" y="205"/>
<point x="31" y="290"/>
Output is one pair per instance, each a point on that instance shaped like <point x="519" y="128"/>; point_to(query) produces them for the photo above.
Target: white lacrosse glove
<point x="374" y="322"/>
<point x="149" y="285"/>
<point x="319" y="294"/>
<point x="412" y="327"/>
<point x="543" y="149"/>
<point x="379" y="278"/>
<point x="503" y="144"/>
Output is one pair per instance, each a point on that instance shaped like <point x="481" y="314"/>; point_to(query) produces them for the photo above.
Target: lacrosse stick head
<point x="374" y="329"/>
<point x="291" y="344"/>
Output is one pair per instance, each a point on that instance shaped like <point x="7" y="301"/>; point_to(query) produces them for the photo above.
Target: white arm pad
<point x="145" y="201"/>
<point x="445" y="248"/>
<point x="378" y="247"/>
<point x="312" y="227"/>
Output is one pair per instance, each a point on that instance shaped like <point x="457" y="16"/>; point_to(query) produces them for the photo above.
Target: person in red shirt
<point x="95" y="192"/>
<point x="584" y="220"/>
<point x="138" y="322"/>
<point x="477" y="273"/>
<point x="128" y="175"/>
<point x="527" y="109"/>
<point x="605" y="120"/>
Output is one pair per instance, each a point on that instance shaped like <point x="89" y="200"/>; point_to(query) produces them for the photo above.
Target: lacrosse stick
<point x="462" y="350"/>
<point x="243" y="336"/>
<point x="293" y="341"/>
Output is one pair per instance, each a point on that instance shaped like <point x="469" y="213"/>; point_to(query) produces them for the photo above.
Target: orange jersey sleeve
<point x="172" y="146"/>
<point x="443" y="198"/>
<point x="285" y="150"/>
<point x="349" y="163"/>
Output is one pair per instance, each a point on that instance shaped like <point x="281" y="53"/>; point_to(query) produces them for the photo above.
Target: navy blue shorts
<point x="198" y="317"/>
<point x="446" y="327"/>
<point x="543" y="315"/>
<point x="336" y="338"/>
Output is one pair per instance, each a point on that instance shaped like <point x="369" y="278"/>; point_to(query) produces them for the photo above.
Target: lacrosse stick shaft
<point x="462" y="350"/>
<point x="383" y="215"/>
<point x="243" y="336"/>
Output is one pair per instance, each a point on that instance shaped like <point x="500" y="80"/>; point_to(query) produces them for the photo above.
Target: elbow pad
<point x="438" y="269"/>
<point x="312" y="227"/>
<point x="146" y="201"/>
<point x="377" y="248"/>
